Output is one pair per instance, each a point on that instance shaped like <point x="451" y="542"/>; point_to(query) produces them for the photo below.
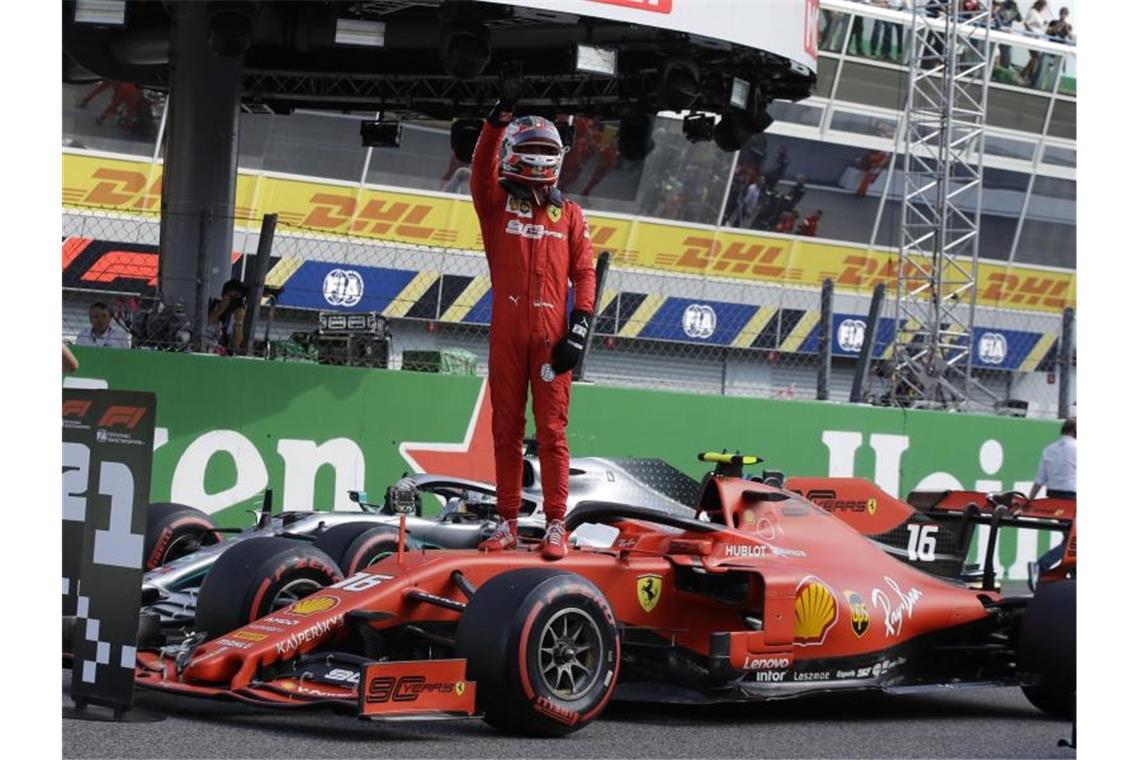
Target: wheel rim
<point x="292" y="592"/>
<point x="569" y="653"/>
<point x="180" y="547"/>
<point x="375" y="557"/>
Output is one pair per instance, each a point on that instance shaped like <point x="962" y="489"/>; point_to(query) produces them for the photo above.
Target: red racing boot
<point x="554" y="542"/>
<point x="504" y="537"/>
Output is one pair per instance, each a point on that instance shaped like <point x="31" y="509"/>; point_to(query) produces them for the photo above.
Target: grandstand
<point x="713" y="289"/>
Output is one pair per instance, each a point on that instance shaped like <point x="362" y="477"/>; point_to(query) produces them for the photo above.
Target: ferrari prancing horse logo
<point x="554" y="212"/>
<point x="648" y="591"/>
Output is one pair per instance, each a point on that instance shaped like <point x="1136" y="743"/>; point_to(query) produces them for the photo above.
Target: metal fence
<point x="654" y="329"/>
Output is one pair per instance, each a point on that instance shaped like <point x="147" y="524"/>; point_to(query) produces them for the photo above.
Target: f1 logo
<point x="125" y="416"/>
<point x="76" y="408"/>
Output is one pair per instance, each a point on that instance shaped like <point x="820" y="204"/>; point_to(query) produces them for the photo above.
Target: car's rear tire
<point x="357" y="545"/>
<point x="175" y="530"/>
<point x="256" y="576"/>
<point x="1047" y="649"/>
<point x="543" y="650"/>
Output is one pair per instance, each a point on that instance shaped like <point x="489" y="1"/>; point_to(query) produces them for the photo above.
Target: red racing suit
<point x="533" y="251"/>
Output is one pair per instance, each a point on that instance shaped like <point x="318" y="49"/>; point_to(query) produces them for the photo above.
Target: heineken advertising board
<point x="228" y="428"/>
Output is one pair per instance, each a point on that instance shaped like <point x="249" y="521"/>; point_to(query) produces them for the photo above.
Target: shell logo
<point x="314" y="604"/>
<point x="816" y="611"/>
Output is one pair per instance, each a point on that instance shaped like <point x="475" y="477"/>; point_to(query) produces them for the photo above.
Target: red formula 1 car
<point x="766" y="596"/>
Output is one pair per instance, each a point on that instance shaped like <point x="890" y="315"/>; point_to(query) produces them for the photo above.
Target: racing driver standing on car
<point x="536" y="241"/>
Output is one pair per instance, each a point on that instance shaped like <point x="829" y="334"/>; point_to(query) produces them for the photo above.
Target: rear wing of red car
<point x="1010" y="509"/>
<point x="933" y="530"/>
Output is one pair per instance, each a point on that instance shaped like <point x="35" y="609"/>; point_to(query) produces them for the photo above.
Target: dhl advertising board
<point x="419" y="219"/>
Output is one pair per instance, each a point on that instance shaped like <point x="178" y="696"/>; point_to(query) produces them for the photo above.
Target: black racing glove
<point x="568" y="351"/>
<point x="501" y="114"/>
<point x="510" y="89"/>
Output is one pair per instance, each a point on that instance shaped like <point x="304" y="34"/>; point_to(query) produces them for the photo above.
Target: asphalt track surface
<point x="950" y="723"/>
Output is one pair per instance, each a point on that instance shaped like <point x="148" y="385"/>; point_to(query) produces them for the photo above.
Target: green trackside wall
<point x="235" y="426"/>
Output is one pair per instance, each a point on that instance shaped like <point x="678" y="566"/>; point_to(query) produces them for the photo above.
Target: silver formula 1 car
<point x="304" y="551"/>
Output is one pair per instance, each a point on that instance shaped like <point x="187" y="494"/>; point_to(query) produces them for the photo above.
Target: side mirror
<point x="357" y="496"/>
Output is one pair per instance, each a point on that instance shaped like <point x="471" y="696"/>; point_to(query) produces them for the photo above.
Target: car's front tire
<point x="357" y="545"/>
<point x="543" y="649"/>
<point x="175" y="530"/>
<point x="257" y="576"/>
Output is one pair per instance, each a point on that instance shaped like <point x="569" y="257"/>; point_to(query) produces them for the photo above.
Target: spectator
<point x="831" y="38"/>
<point x="103" y="331"/>
<point x="607" y="153"/>
<point x="227" y="319"/>
<point x="125" y="97"/>
<point x="1059" y="29"/>
<point x="796" y="194"/>
<point x="775" y="173"/>
<point x="809" y="227"/>
<point x="787" y="222"/>
<point x="872" y="163"/>
<point x="1057" y="473"/>
<point x="882" y="31"/>
<point x="767" y="211"/>
<point x="1038" y="18"/>
<point x="857" y="31"/>
<point x="1057" y="470"/>
<point x="933" y="56"/>
<point x="1035" y="24"/>
<point x="745" y="211"/>
<point x="1006" y="13"/>
<point x="447" y="180"/>
<point x="460" y="181"/>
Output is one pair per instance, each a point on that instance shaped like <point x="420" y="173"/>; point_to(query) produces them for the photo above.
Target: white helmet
<point x="531" y="151"/>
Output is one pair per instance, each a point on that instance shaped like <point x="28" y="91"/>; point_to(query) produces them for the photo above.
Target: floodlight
<point x="596" y="60"/>
<point x="101" y="12"/>
<point x="359" y="33"/>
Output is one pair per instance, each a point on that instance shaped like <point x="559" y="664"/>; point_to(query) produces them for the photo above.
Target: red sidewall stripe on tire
<point x="257" y="599"/>
<point x="156" y="555"/>
<point x="524" y="637"/>
<point x="354" y="565"/>
<point x="524" y="671"/>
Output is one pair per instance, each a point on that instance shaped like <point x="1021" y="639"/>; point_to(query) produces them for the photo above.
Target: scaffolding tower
<point x="937" y="265"/>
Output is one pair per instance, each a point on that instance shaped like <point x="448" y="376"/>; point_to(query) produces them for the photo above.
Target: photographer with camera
<point x="227" y="319"/>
